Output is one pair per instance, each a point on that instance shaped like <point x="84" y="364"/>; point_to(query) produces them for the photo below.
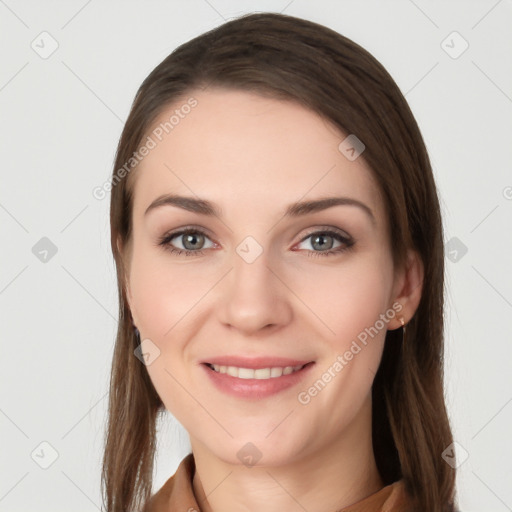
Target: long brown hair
<point x="284" y="57"/>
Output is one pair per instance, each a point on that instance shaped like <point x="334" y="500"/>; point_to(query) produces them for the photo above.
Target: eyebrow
<point x="204" y="207"/>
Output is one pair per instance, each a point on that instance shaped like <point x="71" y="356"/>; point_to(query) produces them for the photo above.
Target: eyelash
<point x="164" y="241"/>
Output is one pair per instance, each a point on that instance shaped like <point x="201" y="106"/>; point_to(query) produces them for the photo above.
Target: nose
<point x="253" y="296"/>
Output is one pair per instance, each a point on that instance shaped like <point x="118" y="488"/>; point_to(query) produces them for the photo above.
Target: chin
<point x="255" y="449"/>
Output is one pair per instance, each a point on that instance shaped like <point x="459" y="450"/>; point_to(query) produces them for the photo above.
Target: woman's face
<point x="260" y="284"/>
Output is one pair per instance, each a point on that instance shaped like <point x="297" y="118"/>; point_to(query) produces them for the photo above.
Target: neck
<point x="329" y="479"/>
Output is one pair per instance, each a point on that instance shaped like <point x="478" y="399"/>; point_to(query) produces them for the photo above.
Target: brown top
<point x="177" y="494"/>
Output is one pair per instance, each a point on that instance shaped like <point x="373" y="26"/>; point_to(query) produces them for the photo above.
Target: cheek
<point x="164" y="293"/>
<point x="166" y="297"/>
<point x="349" y="298"/>
<point x="349" y="301"/>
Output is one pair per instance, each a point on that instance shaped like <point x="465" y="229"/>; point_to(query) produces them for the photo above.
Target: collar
<point x="177" y="494"/>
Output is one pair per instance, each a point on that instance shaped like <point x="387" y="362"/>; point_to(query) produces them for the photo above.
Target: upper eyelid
<point x="320" y="229"/>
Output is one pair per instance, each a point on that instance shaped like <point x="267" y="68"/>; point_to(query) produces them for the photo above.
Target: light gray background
<point x="61" y="121"/>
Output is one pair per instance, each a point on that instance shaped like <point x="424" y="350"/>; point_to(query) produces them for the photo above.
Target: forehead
<point x="240" y="149"/>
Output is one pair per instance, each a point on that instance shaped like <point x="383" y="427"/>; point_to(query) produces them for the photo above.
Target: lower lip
<point x="255" y="388"/>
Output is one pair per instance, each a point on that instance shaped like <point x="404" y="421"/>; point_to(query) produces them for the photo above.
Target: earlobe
<point x="409" y="295"/>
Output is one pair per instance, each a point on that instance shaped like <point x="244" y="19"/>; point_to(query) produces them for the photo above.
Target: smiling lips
<point x="255" y="377"/>
<point x="255" y="367"/>
<point x="259" y="373"/>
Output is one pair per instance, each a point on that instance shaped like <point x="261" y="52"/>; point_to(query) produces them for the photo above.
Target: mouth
<point x="255" y="379"/>
<point x="273" y="372"/>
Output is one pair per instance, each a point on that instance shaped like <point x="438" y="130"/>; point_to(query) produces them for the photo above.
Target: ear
<point x="408" y="288"/>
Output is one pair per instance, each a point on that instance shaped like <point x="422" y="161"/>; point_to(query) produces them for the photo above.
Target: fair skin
<point x="252" y="157"/>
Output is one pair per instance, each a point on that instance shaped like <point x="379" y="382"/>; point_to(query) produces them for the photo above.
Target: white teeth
<point x="232" y="370"/>
<point x="276" y="372"/>
<point x="241" y="373"/>
<point x="260" y="373"/>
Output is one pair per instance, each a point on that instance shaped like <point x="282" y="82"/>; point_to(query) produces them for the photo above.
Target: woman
<point x="279" y="250"/>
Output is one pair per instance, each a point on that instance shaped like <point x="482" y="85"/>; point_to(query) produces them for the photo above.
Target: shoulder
<point x="398" y="499"/>
<point x="177" y="492"/>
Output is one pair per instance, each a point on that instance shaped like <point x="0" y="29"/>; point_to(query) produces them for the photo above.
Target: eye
<point x="191" y="240"/>
<point x="324" y="241"/>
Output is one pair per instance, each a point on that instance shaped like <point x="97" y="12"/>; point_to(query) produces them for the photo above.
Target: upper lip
<point x="256" y="362"/>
